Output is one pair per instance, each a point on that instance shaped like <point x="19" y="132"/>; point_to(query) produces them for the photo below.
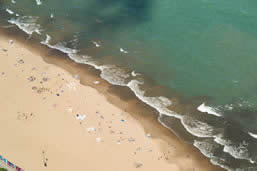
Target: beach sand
<point x="51" y="121"/>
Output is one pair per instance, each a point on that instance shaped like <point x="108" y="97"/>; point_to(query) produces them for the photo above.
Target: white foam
<point x="117" y="76"/>
<point x="64" y="49"/>
<point x="238" y="151"/>
<point x="46" y="42"/>
<point x="38" y="2"/>
<point x="9" y="11"/>
<point x="13" y="1"/>
<point x="208" y="109"/>
<point x="252" y="135"/>
<point x="134" y="74"/>
<point x="205" y="147"/>
<point x="123" y="51"/>
<point x="197" y="128"/>
<point x="110" y="73"/>
<point x="218" y="162"/>
<point x="159" y="103"/>
<point x="52" y="15"/>
<point x="114" y="75"/>
<point x="208" y="149"/>
<point x="59" y="46"/>
<point x="96" y="44"/>
<point x="27" y="24"/>
<point x="229" y="106"/>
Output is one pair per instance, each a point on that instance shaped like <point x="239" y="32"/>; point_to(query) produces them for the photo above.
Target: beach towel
<point x="10" y="164"/>
<point x="3" y="159"/>
<point x="18" y="169"/>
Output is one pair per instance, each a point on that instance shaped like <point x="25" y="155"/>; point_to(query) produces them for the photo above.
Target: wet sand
<point x="55" y="116"/>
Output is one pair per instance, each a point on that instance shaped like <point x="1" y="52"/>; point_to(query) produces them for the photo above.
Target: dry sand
<point x="40" y="129"/>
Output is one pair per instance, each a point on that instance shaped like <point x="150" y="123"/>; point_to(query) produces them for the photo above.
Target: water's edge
<point x="193" y="120"/>
<point x="157" y="108"/>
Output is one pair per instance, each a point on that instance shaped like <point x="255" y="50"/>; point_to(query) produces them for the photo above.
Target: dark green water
<point x="204" y="51"/>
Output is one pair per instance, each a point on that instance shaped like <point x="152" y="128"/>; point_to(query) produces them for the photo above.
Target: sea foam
<point x="27" y="24"/>
<point x="198" y="128"/>
<point x="252" y="135"/>
<point x="236" y="150"/>
<point x="118" y="76"/>
<point x="208" y="109"/>
<point x="38" y="2"/>
<point x="9" y="11"/>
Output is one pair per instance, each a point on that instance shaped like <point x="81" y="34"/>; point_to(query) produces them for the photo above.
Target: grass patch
<point x="2" y="169"/>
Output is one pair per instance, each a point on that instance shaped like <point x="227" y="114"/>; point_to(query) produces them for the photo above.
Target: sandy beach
<point x="51" y="121"/>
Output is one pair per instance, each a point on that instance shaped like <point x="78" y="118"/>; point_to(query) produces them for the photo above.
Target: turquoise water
<point x="204" y="51"/>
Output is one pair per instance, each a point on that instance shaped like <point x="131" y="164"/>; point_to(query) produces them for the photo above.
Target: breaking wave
<point x="117" y="76"/>
<point x="252" y="135"/>
<point x="208" y="109"/>
<point x="237" y="150"/>
<point x="27" y="24"/>
<point x="9" y="11"/>
<point x="198" y="128"/>
<point x="38" y="2"/>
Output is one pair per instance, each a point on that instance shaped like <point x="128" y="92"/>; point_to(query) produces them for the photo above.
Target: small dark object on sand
<point x="34" y="88"/>
<point x="57" y="94"/>
<point x="39" y="91"/>
<point x="5" y="50"/>
<point x="32" y="78"/>
<point x="45" y="79"/>
<point x="44" y="159"/>
<point x="21" y="61"/>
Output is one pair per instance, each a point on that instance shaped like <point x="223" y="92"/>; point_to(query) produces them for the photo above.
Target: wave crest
<point x="27" y="24"/>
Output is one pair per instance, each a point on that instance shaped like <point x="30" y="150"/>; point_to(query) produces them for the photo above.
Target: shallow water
<point x="203" y="52"/>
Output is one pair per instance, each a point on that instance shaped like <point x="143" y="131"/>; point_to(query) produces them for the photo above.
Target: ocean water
<point x="195" y="62"/>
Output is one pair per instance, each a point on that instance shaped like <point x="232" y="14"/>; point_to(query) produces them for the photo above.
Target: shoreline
<point x="147" y="121"/>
